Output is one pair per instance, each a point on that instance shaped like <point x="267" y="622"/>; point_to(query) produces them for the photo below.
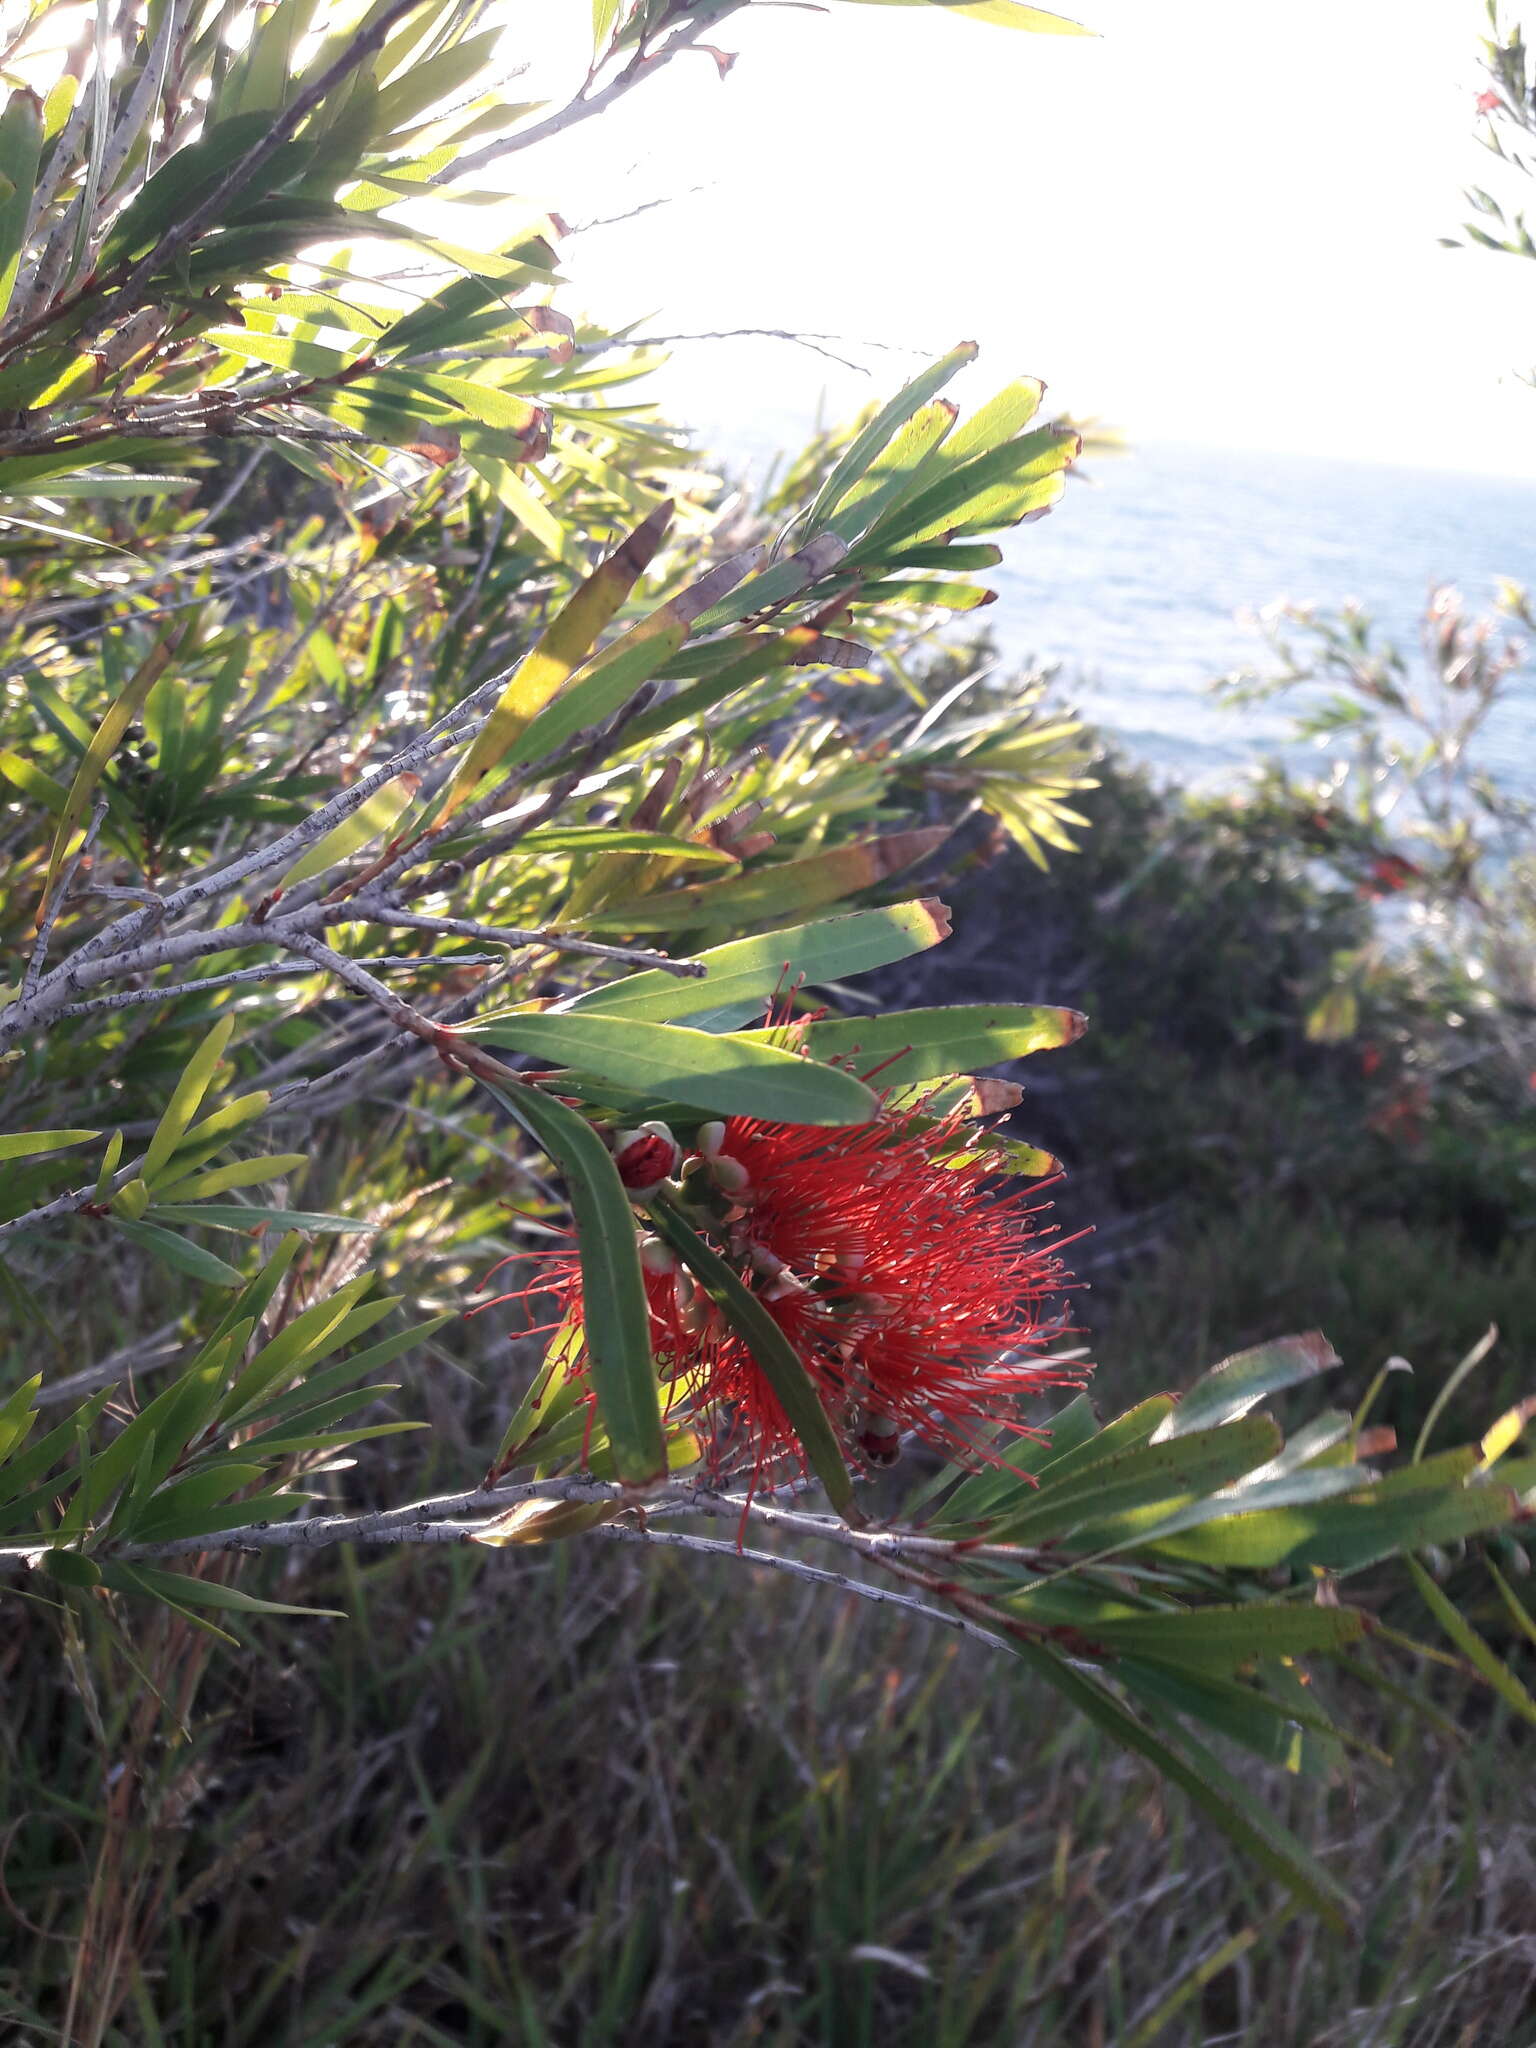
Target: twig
<point x="127" y="999"/>
<point x="586" y="105"/>
<point x="74" y="974"/>
<point x="60" y="890"/>
<point x="797" y="1567"/>
<point x="377" y="912"/>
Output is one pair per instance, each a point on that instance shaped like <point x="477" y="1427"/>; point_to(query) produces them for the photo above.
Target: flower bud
<point x="646" y="1157"/>
<point x="880" y="1440"/>
<point x="711" y="1138"/>
<point x="730" y="1174"/>
<point x="658" y="1257"/>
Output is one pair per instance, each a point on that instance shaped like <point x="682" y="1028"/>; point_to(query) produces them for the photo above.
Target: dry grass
<point x="584" y="1797"/>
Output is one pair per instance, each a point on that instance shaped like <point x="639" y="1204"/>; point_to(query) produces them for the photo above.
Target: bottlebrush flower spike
<point x="912" y="1288"/>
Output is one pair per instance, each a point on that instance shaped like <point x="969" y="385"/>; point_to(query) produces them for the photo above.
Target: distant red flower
<point x="1489" y="102"/>
<point x="1389" y="873"/>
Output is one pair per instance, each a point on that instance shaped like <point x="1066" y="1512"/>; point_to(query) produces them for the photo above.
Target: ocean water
<point x="1138" y="581"/>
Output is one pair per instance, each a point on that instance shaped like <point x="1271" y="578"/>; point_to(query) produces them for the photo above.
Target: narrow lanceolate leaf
<point x="615" y="1318"/>
<point x="370" y="821"/>
<point x="17" y="1416"/>
<point x="180" y="1253"/>
<point x="595" y="692"/>
<point x="187" y="1095"/>
<point x="896" y="472"/>
<point x="1193" y="1768"/>
<point x="1148" y="1476"/>
<point x="240" y="1173"/>
<point x="771" y="1351"/>
<point x="1472" y="1645"/>
<point x="565" y="644"/>
<point x="1225" y="1638"/>
<point x="1000" y="13"/>
<point x="727" y="1074"/>
<point x="776" y="891"/>
<point x="885" y="425"/>
<point x="920" y="1045"/>
<point x="994" y="489"/>
<point x="751" y="969"/>
<point x="21" y="141"/>
<point x="777" y="584"/>
<point x="104" y="743"/>
<point x="23" y="1144"/>
<point x="1239" y="1383"/>
<point x="180" y="1588"/>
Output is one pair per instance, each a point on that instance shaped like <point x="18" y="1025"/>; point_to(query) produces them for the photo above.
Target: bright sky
<point x="1215" y="221"/>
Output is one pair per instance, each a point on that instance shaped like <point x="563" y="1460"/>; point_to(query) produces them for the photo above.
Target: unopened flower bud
<point x="730" y="1174"/>
<point x="657" y="1257"/>
<point x="711" y="1138"/>
<point x="646" y="1157"/>
<point x="880" y="1440"/>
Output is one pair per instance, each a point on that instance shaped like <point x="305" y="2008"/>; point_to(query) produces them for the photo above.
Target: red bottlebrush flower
<point x="1488" y="103"/>
<point x="911" y="1289"/>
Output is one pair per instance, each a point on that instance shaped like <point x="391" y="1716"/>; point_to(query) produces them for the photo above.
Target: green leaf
<point x="310" y="1337"/>
<point x="922" y="1045"/>
<point x="251" y="1216"/>
<point x="21" y="142"/>
<point x="887" y="422"/>
<point x="103" y="744"/>
<point x="177" y="1252"/>
<point x="370" y="821"/>
<point x="617" y="839"/>
<point x="990" y="490"/>
<point x="1147" y="1475"/>
<point x="186" y="1098"/>
<point x="17" y="1416"/>
<point x="776" y="890"/>
<point x="564" y="644"/>
<point x="730" y="1075"/>
<point x="180" y="1588"/>
<point x="240" y="1173"/>
<point x="615" y="1317"/>
<point x="1239" y="1383"/>
<point x="71" y="1569"/>
<point x="1223" y="1638"/>
<point x="752" y="969"/>
<point x="23" y="1144"/>
<point x="593" y="693"/>
<point x="1472" y="1645"/>
<point x="1196" y="1771"/>
<point x="175" y="1510"/>
<point x="1341" y="1535"/>
<point x="895" y="473"/>
<point x="771" y="1350"/>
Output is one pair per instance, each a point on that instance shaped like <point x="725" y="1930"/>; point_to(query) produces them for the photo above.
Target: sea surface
<point x="1147" y="581"/>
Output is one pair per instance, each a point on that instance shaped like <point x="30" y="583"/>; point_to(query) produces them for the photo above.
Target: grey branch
<point x="60" y="890"/>
<point x="442" y="1521"/>
<point x="587" y="104"/>
<point x="278" y="970"/>
<point x="384" y="912"/>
